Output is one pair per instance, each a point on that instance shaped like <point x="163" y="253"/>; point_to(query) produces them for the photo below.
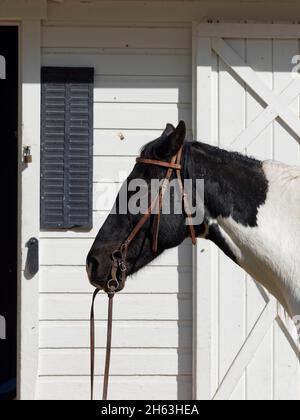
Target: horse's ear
<point x="173" y="141"/>
<point x="168" y="130"/>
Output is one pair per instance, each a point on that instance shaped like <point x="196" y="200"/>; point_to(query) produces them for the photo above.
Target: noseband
<point x="119" y="257"/>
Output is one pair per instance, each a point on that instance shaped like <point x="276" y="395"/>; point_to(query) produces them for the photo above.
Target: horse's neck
<point x="241" y="203"/>
<point x="235" y="186"/>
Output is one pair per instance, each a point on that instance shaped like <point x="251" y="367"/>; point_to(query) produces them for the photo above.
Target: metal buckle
<point x="122" y="266"/>
<point x="112" y="285"/>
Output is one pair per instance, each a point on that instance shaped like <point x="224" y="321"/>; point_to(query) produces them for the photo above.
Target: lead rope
<point x="111" y="295"/>
<point x="108" y="345"/>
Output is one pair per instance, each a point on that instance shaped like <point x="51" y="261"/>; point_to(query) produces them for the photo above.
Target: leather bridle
<point x="119" y="257"/>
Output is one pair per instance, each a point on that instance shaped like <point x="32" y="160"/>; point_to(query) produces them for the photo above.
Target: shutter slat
<point x="66" y="148"/>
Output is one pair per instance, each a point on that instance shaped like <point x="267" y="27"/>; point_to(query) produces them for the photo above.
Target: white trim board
<point x="30" y="64"/>
<point x="21" y="9"/>
<point x="250" y="31"/>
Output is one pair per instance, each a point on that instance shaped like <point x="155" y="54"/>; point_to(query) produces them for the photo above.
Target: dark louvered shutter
<point x="67" y="148"/>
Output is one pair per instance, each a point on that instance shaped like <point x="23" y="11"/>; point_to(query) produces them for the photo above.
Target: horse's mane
<point x="221" y="155"/>
<point x="149" y="151"/>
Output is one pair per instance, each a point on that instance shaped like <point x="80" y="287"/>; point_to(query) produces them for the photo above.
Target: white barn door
<point x="246" y="99"/>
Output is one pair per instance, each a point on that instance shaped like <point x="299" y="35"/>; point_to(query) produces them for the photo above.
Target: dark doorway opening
<point x="9" y="52"/>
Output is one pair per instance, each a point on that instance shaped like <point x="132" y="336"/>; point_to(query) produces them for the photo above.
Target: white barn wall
<point x="236" y="305"/>
<point x="63" y="338"/>
<point x="143" y="80"/>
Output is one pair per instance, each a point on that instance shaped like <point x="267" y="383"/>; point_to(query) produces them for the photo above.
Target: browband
<point x="159" y="163"/>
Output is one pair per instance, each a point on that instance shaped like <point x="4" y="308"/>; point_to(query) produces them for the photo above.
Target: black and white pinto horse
<point x="252" y="213"/>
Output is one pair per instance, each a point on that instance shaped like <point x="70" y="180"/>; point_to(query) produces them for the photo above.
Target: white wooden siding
<point x="143" y="81"/>
<point x="247" y="343"/>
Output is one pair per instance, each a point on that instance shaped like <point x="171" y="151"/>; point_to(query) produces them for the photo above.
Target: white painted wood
<point x="115" y="169"/>
<point x="127" y="334"/>
<point x="248" y="75"/>
<point x="256" y="31"/>
<point x="140" y="116"/>
<point x="261" y="366"/>
<point x="150" y="280"/>
<point x="121" y="387"/>
<point x="143" y="90"/>
<point x="98" y="220"/>
<point x="118" y="37"/>
<point x="246" y="353"/>
<point x="285" y="148"/>
<point x="23" y="9"/>
<point x="202" y="257"/>
<point x="172" y="12"/>
<point x="108" y="143"/>
<point x="128" y="307"/>
<point x="259" y="56"/>
<point x="105" y="193"/>
<point x="286" y="369"/>
<point x="124" y="362"/>
<point x="251" y="86"/>
<point x="29" y="206"/>
<point x="265" y="118"/>
<point x="122" y="63"/>
<point x="231" y="288"/>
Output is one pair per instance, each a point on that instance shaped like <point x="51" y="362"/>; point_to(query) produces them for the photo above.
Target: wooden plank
<point x="231" y="311"/>
<point x="140" y="116"/>
<point x="247" y="352"/>
<point x="286" y="369"/>
<point x="260" y="57"/>
<point x="98" y="220"/>
<point x="149" y="280"/>
<point x="20" y="9"/>
<point x="137" y="12"/>
<point x="115" y="169"/>
<point x="127" y="334"/>
<point x="286" y="149"/>
<point x="231" y="99"/>
<point x="288" y="91"/>
<point x="110" y="24"/>
<point x="203" y="253"/>
<point x="125" y="387"/>
<point x="123" y="362"/>
<point x="127" y="307"/>
<point x="105" y="193"/>
<point x="143" y="89"/>
<point x="69" y="252"/>
<point x="259" y="123"/>
<point x="239" y="392"/>
<point x="108" y="143"/>
<point x="115" y="37"/>
<point x="254" y="31"/>
<point x="202" y="90"/>
<point x="248" y="75"/>
<point x="29" y="206"/>
<point x="123" y="62"/>
<point x="260" y="371"/>
<point x="267" y="71"/>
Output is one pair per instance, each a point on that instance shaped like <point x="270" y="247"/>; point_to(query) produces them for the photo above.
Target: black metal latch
<point x="32" y="262"/>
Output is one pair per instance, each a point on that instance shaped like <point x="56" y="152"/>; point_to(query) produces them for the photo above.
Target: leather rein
<point x="119" y="257"/>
